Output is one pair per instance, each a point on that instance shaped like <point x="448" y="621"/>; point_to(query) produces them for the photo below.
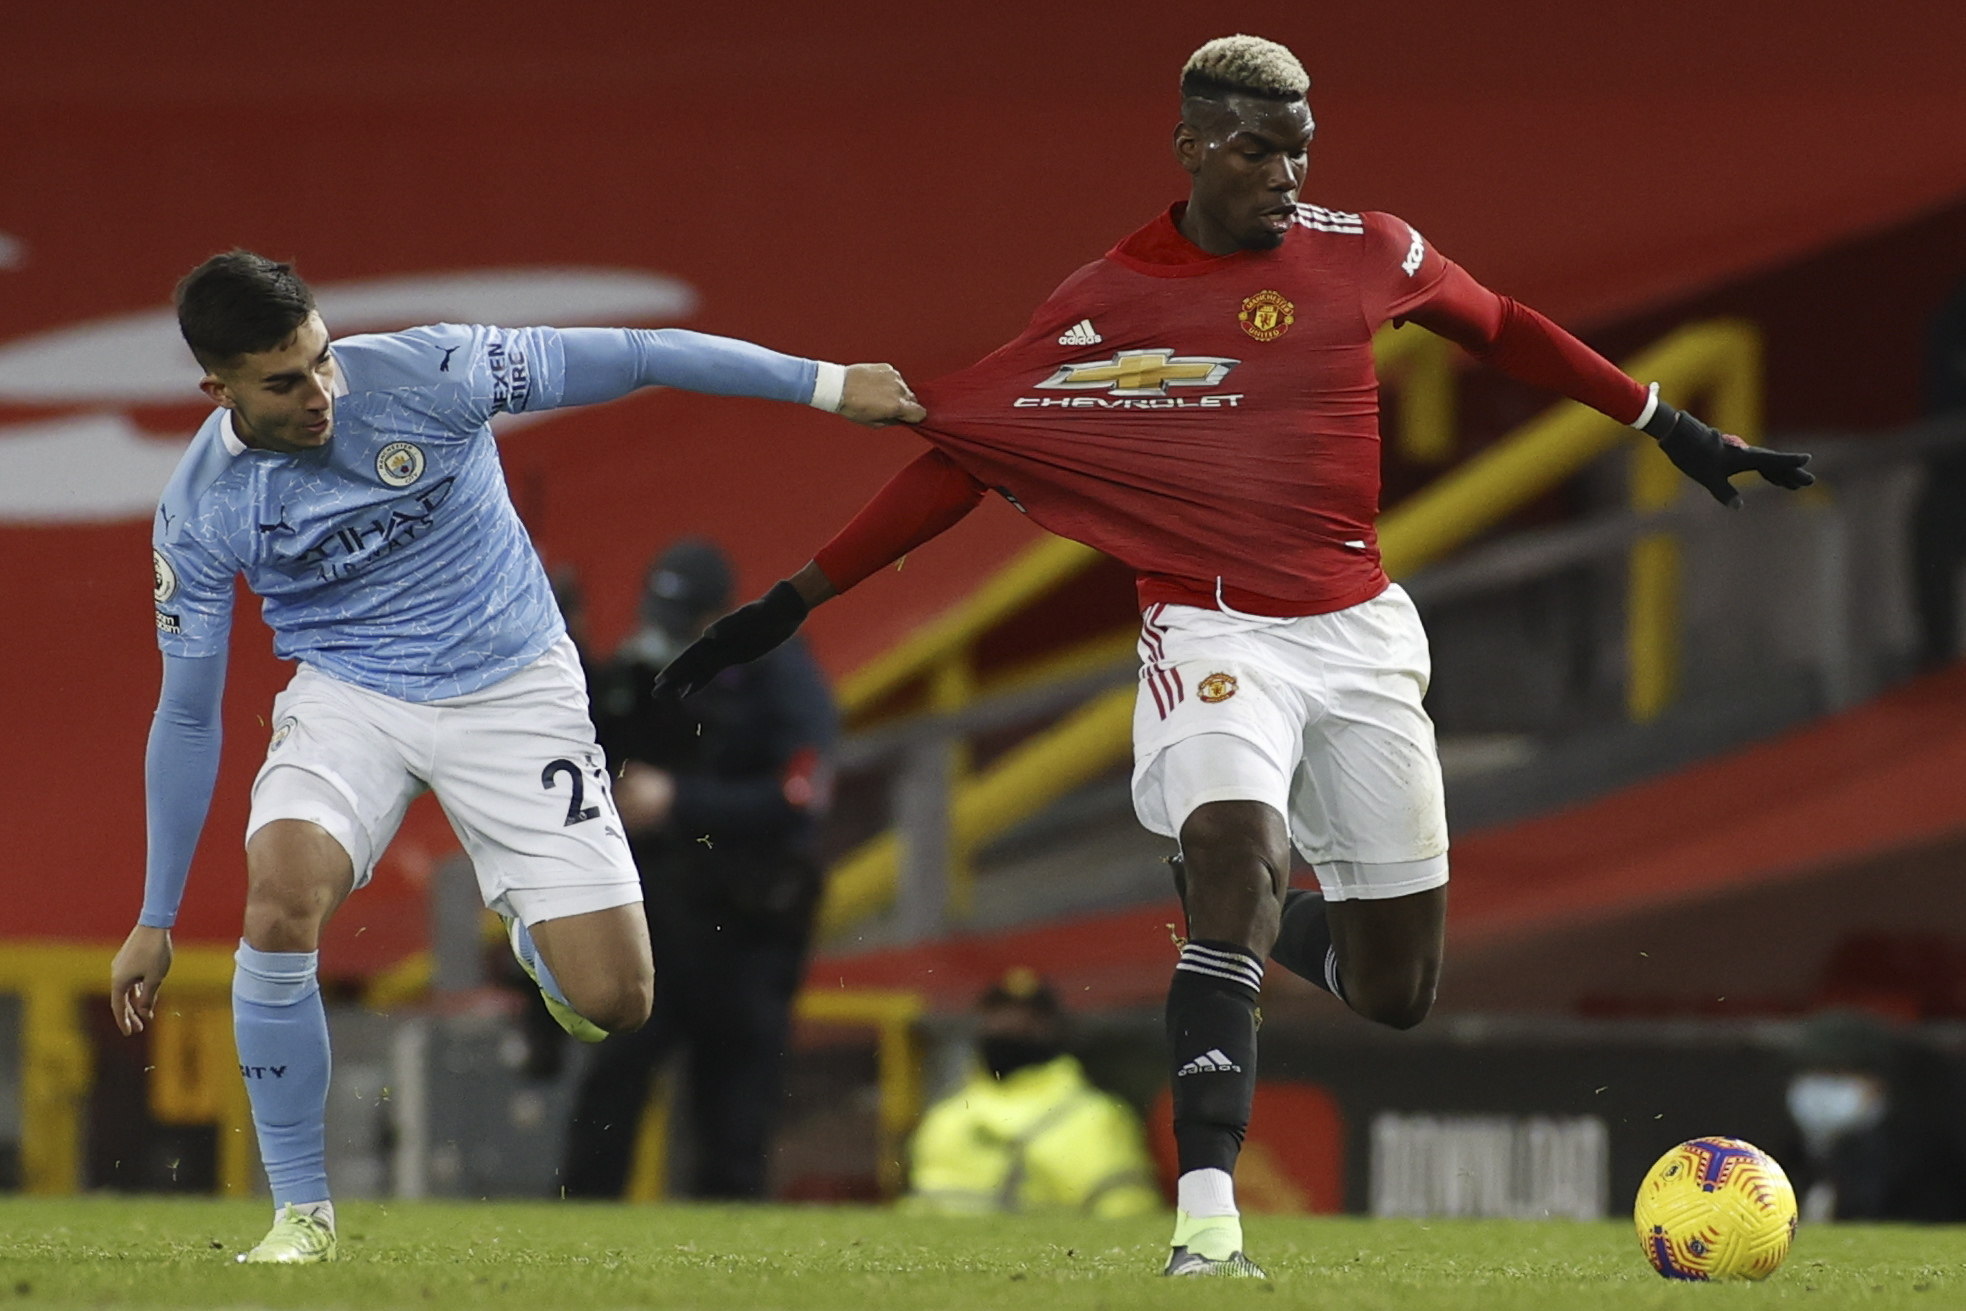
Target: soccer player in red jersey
<point x="1200" y="403"/>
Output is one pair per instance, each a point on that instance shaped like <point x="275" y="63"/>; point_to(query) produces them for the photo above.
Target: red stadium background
<point x="853" y="181"/>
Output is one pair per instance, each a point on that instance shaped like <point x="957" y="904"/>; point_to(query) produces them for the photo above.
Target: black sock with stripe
<point x="1303" y="944"/>
<point x="1211" y="1035"/>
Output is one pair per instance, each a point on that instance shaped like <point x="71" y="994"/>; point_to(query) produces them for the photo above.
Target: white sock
<point x="321" y="1211"/>
<point x="1204" y="1194"/>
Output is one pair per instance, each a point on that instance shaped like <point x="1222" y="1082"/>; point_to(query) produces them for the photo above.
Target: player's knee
<point x="617" y="1005"/>
<point x="1398" y="1002"/>
<point x="1236" y="863"/>
<point x="1398" y="1012"/>
<point x="286" y="914"/>
<point x="296" y="874"/>
<point x="275" y="923"/>
<point x="1226" y="842"/>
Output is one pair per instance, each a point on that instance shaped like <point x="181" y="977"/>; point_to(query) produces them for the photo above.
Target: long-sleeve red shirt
<point x="1211" y="420"/>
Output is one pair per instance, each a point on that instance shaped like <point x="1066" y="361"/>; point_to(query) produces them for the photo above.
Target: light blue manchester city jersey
<point x="392" y="558"/>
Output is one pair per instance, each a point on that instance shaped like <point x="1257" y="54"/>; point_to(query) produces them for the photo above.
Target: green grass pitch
<point x="124" y="1252"/>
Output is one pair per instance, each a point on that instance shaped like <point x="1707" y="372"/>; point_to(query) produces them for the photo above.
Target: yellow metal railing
<point x="194" y="1069"/>
<point x="942" y="651"/>
<point x="1418" y="368"/>
<point x="1719" y="362"/>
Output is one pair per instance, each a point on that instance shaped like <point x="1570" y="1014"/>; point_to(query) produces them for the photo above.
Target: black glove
<point x="742" y="635"/>
<point x="1710" y="458"/>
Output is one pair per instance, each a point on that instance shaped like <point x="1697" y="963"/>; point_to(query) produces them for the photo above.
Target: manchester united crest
<point x="399" y="464"/>
<point x="1217" y="687"/>
<point x="1267" y="316"/>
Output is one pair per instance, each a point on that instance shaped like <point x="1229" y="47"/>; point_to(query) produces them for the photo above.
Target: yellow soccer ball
<point x="1715" y="1208"/>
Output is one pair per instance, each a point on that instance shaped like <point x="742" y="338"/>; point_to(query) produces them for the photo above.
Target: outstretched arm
<point x="1516" y="340"/>
<point x="603" y="364"/>
<point x="923" y="501"/>
<point x="926" y="499"/>
<point x="180" y="768"/>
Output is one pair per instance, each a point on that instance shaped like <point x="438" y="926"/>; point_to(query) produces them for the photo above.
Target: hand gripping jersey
<point x="1212" y="421"/>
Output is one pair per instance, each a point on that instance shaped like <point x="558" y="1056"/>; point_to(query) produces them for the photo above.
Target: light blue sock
<point x="282" y="1035"/>
<point x="530" y="954"/>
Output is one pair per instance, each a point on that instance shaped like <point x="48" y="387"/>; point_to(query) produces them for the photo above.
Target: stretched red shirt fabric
<point x="1212" y="421"/>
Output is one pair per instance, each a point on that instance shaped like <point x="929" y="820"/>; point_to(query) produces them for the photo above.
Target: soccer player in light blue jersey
<point x="357" y="486"/>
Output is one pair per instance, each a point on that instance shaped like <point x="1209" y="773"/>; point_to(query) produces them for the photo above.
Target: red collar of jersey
<point x="1159" y="250"/>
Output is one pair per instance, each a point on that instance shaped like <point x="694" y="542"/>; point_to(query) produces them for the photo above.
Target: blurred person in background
<point x="722" y="801"/>
<point x="1027" y="1131"/>
<point x="1880" y="1125"/>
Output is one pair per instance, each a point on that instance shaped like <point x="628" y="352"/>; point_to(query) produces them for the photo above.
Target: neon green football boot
<point x="296" y="1238"/>
<point x="564" y="1015"/>
<point x="1209" y="1247"/>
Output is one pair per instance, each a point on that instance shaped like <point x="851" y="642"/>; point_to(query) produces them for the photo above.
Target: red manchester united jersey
<point x="1212" y="421"/>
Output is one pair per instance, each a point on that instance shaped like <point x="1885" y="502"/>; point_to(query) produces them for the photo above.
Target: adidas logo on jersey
<point x="1081" y="333"/>
<point x="1211" y="1061"/>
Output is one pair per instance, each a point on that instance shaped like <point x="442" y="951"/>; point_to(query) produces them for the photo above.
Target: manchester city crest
<point x="399" y="464"/>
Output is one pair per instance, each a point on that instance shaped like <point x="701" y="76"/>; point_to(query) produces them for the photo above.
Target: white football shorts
<point x="1318" y="718"/>
<point x="514" y="765"/>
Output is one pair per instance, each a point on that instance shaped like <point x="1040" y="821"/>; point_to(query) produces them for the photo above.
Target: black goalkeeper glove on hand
<point x="740" y="636"/>
<point x="1710" y="458"/>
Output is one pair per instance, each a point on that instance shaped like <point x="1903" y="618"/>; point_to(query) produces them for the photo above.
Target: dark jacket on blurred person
<point x="731" y="878"/>
<point x="748" y="759"/>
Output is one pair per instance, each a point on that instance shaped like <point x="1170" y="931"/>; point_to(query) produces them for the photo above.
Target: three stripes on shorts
<point x="1164" y="681"/>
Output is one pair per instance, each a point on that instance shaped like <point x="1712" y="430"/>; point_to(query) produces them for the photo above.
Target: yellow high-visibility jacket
<point x="1043" y="1138"/>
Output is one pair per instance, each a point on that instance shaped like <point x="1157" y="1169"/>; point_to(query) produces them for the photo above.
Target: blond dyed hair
<point x="1246" y="64"/>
